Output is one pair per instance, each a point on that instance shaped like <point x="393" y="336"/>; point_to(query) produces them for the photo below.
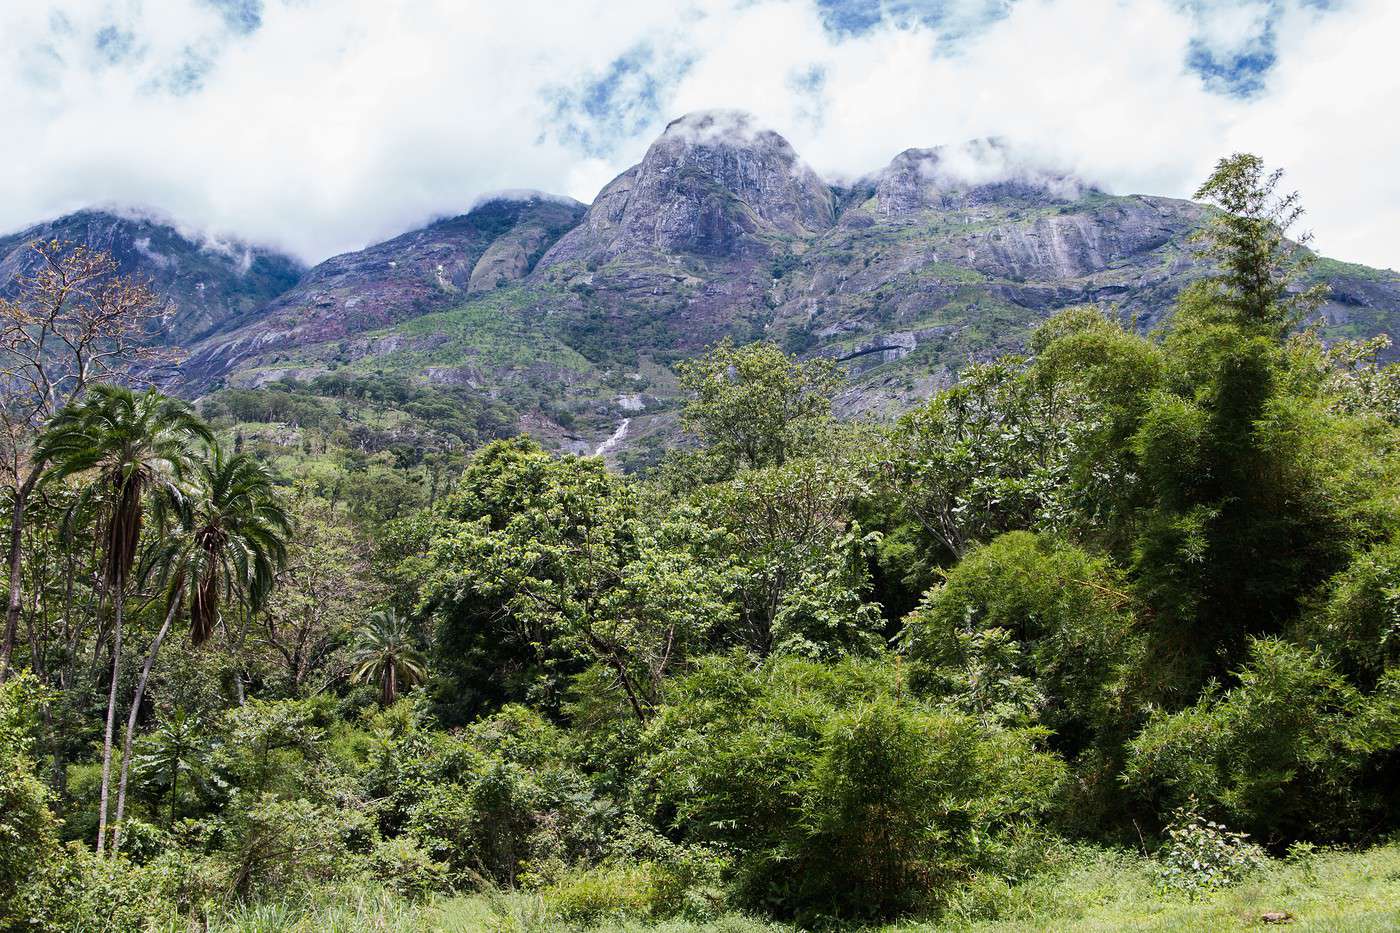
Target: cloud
<point x="323" y="125"/>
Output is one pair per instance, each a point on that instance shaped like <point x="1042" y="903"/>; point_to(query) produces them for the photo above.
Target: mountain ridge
<point x="944" y="255"/>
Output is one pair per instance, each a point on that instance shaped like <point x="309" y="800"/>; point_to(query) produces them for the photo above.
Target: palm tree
<point x="231" y="540"/>
<point x="384" y="654"/>
<point x="130" y="445"/>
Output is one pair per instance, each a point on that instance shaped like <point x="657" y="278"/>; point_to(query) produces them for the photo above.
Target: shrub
<point x="900" y="801"/>
<point x="1027" y="606"/>
<point x="837" y="795"/>
<point x="607" y="891"/>
<point x="1202" y="856"/>
<point x="83" y="891"/>
<point x="28" y="830"/>
<point x="1358" y="623"/>
<point x="403" y="866"/>
<point x="1282" y="754"/>
<point x="286" y="846"/>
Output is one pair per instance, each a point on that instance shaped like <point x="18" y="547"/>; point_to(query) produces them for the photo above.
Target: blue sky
<point x="322" y="125"/>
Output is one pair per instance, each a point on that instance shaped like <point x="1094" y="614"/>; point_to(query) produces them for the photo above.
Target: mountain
<point x="209" y="281"/>
<point x="569" y="316"/>
<point x="449" y="262"/>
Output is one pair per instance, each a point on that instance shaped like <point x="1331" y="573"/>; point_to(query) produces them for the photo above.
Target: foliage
<point x="1202" y="856"/>
<point x="28" y="830"/>
<point x="384" y="654"/>
<point x="825" y="782"/>
<point x="1030" y="629"/>
<point x="991" y="454"/>
<point x="755" y="406"/>
<point x="1247" y="239"/>
<point x="800" y="558"/>
<point x="1281" y="753"/>
<point x="1137" y="587"/>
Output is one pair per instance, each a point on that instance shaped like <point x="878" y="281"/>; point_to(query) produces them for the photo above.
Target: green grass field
<point x="1091" y="891"/>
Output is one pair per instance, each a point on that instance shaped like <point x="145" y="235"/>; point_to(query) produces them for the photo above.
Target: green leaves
<point x="754" y="405"/>
<point x="1247" y="241"/>
<point x="384" y="654"/>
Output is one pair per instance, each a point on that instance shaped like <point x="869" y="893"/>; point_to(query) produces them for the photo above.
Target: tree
<point x="596" y="580"/>
<point x="989" y="455"/>
<point x="129" y="446"/>
<point x="384" y="654"/>
<point x="1248" y="242"/>
<point x="800" y="558"/>
<point x="176" y="747"/>
<point x="324" y="582"/>
<point x="754" y="406"/>
<point x="1245" y="506"/>
<point x="72" y="321"/>
<point x="28" y="830"/>
<point x="231" y="540"/>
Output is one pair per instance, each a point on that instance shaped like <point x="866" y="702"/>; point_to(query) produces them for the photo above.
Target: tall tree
<point x="754" y="405"/>
<point x="128" y="446"/>
<point x="1247" y="239"/>
<point x="71" y="321"/>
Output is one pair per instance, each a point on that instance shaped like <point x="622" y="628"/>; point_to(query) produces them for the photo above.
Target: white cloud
<point x="1236" y="28"/>
<point x="340" y="122"/>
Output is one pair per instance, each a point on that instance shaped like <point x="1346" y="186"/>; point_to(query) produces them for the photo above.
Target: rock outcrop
<point x="713" y="185"/>
<point x="437" y="266"/>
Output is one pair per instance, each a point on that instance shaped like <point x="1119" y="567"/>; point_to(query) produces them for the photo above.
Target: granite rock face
<point x="712" y="185"/>
<point x="208" y="281"/>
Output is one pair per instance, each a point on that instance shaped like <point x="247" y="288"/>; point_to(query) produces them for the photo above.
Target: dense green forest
<point x="1108" y="632"/>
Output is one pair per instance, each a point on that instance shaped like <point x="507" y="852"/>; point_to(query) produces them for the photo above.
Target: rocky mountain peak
<point x="970" y="174"/>
<point x="714" y="184"/>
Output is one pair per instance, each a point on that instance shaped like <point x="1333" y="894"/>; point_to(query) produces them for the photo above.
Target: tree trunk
<point x="118" y="604"/>
<point x="131" y="723"/>
<point x="16" y="554"/>
<point x="174" y="792"/>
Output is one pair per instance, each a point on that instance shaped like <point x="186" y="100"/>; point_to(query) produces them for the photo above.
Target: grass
<point x="1094" y="890"/>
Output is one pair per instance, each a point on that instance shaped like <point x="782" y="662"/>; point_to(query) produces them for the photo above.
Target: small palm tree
<point x="130" y="446"/>
<point x="384" y="654"/>
<point x="176" y="747"/>
<point x="237" y="531"/>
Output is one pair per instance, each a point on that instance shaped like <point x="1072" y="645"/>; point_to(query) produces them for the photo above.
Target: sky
<point x="320" y="126"/>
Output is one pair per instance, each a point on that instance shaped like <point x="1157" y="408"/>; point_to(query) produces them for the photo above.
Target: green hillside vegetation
<point x="1103" y="636"/>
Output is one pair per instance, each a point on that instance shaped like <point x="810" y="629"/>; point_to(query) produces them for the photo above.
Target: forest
<point x="1106" y="633"/>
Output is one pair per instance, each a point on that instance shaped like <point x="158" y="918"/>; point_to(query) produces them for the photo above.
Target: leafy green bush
<point x="902" y="803"/>
<point x="614" y="891"/>
<point x="28" y="830"/>
<point x="1201" y="855"/>
<point x="402" y="865"/>
<point x="1034" y="629"/>
<point x="1282" y="754"/>
<point x="286" y="846"/>
<point x="1358" y="623"/>
<point x="837" y="794"/>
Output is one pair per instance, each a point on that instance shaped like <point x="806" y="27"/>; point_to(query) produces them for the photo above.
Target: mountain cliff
<point x="443" y="264"/>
